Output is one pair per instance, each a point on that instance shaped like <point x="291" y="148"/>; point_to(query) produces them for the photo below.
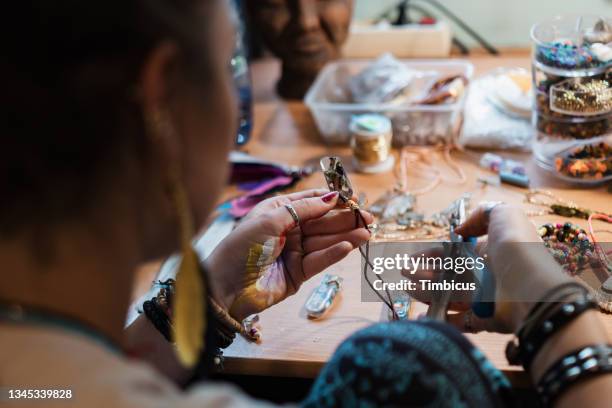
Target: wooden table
<point x="292" y="345"/>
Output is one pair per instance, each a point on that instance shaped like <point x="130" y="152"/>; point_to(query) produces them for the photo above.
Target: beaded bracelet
<point x="573" y="368"/>
<point x="159" y="311"/>
<point x="546" y="318"/>
<point x="569" y="244"/>
<point x="229" y="326"/>
<point x="158" y="317"/>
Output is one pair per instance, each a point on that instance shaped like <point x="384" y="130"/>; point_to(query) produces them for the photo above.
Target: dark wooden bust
<point x="304" y="34"/>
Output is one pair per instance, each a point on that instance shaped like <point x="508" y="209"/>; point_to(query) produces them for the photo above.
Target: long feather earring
<point x="189" y="308"/>
<point x="190" y="304"/>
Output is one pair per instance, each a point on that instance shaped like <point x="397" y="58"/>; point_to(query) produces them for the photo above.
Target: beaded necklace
<point x="556" y="205"/>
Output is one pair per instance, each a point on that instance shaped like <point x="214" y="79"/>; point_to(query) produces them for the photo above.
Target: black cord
<point x="402" y="13"/>
<point x="452" y="16"/>
<point x="485" y="44"/>
<point x="463" y="49"/>
<point x="359" y="220"/>
<point x="384" y="15"/>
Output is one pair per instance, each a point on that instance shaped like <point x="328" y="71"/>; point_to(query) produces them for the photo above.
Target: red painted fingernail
<point x="329" y="196"/>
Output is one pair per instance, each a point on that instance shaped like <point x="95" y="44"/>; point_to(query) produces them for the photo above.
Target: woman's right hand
<point x="521" y="264"/>
<point x="523" y="268"/>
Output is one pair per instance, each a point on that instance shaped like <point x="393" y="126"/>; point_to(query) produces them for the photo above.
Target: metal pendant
<point x="337" y="177"/>
<point x="401" y="307"/>
<point x="393" y="205"/>
<point x="321" y="300"/>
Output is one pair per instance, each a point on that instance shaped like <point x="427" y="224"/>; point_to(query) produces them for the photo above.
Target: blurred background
<point x="503" y="23"/>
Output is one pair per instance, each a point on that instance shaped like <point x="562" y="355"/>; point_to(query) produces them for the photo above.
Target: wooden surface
<point x="291" y="344"/>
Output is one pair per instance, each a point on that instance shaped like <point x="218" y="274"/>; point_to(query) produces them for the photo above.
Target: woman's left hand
<point x="268" y="256"/>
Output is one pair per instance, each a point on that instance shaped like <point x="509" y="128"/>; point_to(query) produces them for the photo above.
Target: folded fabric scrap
<point x="260" y="179"/>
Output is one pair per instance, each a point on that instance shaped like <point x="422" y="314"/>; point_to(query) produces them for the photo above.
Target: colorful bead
<point x="566" y="55"/>
<point x="588" y="161"/>
<point x="569" y="245"/>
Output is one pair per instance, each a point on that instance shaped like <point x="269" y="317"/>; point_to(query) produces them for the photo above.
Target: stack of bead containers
<point x="572" y="68"/>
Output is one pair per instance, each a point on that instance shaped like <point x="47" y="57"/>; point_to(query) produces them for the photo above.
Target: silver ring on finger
<point x="294" y="214"/>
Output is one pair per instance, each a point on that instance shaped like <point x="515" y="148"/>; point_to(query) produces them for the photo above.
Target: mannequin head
<point x="304" y="34"/>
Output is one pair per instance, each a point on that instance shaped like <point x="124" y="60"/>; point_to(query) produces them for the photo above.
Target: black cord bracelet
<point x="157" y="316"/>
<point x="528" y="343"/>
<point x="155" y="313"/>
<point x="573" y="368"/>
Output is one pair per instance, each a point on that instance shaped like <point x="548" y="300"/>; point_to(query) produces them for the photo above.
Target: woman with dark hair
<point x="118" y="117"/>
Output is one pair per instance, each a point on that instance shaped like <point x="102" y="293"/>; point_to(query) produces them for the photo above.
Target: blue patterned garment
<point x="418" y="363"/>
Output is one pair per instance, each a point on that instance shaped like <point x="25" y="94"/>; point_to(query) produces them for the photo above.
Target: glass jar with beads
<point x="572" y="81"/>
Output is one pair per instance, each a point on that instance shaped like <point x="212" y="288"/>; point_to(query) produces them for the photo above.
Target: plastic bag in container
<point x="330" y="100"/>
<point x="386" y="80"/>
<point x="488" y="124"/>
<point x="338" y="89"/>
<point x="423" y="128"/>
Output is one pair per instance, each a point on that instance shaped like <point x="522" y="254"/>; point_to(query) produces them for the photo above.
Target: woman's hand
<point x="267" y="257"/>
<point x="523" y="269"/>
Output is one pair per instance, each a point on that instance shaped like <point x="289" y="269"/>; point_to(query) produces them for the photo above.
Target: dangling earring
<point x="189" y="309"/>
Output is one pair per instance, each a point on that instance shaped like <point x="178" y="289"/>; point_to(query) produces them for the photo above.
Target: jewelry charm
<point x="336" y="177"/>
<point x="393" y="205"/>
<point x="401" y="307"/>
<point x="321" y="300"/>
<point x="250" y="328"/>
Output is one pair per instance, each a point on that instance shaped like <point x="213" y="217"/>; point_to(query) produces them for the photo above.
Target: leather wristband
<point x="573" y="368"/>
<point x="550" y="318"/>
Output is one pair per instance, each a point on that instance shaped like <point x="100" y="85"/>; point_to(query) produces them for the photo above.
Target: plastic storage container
<point x="564" y="62"/>
<point x="561" y="46"/>
<point x="328" y="99"/>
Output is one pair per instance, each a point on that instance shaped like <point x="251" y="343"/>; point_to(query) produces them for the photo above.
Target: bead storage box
<point x="413" y="123"/>
<point x="590" y="162"/>
<point x="572" y="73"/>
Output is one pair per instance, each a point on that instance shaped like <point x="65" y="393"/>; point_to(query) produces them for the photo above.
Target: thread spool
<point x="371" y="143"/>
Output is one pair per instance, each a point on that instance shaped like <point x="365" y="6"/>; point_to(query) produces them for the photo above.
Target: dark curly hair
<point x="68" y="70"/>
